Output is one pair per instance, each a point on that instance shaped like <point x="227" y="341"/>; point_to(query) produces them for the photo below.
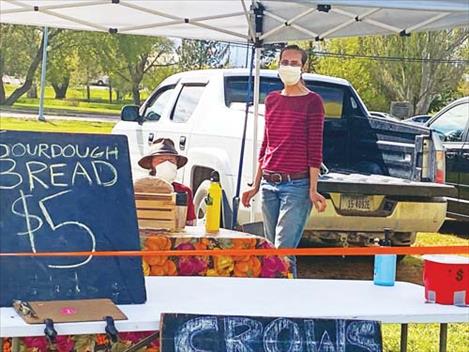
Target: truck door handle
<point x="182" y="142"/>
<point x="151" y="137"/>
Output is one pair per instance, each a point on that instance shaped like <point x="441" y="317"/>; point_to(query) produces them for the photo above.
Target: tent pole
<point x="234" y="219"/>
<point x="41" y="116"/>
<point x="257" y="82"/>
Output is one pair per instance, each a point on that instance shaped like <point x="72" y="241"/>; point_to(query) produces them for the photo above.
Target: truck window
<point x="188" y="100"/>
<point x="155" y="109"/>
<point x="451" y="124"/>
<point x="333" y="96"/>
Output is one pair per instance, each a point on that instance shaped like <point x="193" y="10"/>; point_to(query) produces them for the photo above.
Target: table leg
<point x="443" y="336"/>
<point x="404" y="333"/>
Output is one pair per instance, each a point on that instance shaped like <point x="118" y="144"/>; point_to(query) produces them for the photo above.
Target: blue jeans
<point x="285" y="208"/>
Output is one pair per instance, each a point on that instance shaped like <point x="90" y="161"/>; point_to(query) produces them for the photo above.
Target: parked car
<point x="452" y="125"/>
<point x="418" y="119"/>
<point x="375" y="163"/>
<point x="101" y="81"/>
<point x="384" y="115"/>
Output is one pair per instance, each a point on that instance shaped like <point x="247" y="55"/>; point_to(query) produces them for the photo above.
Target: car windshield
<point x="332" y="95"/>
<point x="450" y="125"/>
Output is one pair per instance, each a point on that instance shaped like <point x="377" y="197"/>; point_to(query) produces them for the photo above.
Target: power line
<point x="389" y="58"/>
<point x="371" y="57"/>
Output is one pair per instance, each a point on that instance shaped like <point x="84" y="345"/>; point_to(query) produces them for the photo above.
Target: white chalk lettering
<point x="18" y="153"/>
<point x="55" y="150"/>
<point x="362" y="334"/>
<point x="183" y="341"/>
<point x="71" y="152"/>
<point x="99" y="170"/>
<point x="326" y="344"/>
<point x="80" y="171"/>
<point x="42" y="149"/>
<point x="84" y="155"/>
<point x="240" y="342"/>
<point x="28" y="217"/>
<point x="272" y="335"/>
<point x="32" y="173"/>
<point x="8" y="182"/>
<point x="114" y="152"/>
<point x="6" y="150"/>
<point x="96" y="154"/>
<point x="55" y="227"/>
<point x="54" y="174"/>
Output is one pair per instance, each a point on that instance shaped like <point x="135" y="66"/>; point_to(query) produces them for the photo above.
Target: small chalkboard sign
<point x="187" y="332"/>
<point x="67" y="193"/>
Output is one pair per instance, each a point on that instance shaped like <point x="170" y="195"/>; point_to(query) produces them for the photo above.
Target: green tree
<point x="20" y="56"/>
<point x="420" y="82"/>
<point x="202" y="54"/>
<point x="131" y="57"/>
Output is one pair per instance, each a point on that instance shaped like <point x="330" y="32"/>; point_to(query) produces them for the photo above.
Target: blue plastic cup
<point x="385" y="270"/>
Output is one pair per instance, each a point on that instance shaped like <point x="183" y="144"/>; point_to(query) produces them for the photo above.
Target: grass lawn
<point x="69" y="126"/>
<point x="75" y="100"/>
<point x="422" y="338"/>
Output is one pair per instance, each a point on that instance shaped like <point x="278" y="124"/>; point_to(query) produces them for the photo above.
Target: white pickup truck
<point x="377" y="164"/>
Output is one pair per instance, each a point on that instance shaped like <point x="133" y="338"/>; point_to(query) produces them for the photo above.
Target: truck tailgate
<point x="352" y="183"/>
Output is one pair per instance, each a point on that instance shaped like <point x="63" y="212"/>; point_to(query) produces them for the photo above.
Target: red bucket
<point x="446" y="279"/>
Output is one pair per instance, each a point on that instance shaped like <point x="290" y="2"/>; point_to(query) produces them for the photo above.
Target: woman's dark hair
<point x="304" y="55"/>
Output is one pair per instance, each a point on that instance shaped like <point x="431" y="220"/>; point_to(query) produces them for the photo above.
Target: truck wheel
<point x="199" y="201"/>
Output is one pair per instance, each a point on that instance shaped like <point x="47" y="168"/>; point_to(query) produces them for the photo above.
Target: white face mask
<point x="289" y="75"/>
<point x="167" y="171"/>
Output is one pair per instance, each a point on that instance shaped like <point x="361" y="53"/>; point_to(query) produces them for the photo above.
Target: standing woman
<point x="290" y="156"/>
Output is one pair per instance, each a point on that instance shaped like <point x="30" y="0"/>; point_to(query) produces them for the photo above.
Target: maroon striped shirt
<point x="293" y="133"/>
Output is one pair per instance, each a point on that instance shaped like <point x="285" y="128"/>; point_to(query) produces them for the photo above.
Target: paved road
<point x="64" y="116"/>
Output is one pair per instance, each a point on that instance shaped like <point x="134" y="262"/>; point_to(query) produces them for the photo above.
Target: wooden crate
<point x="156" y="210"/>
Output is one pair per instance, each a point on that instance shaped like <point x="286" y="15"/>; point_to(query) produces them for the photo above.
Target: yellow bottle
<point x="213" y="201"/>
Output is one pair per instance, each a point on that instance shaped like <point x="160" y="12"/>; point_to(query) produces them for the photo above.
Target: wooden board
<point x="72" y="311"/>
<point x="188" y="332"/>
<point x="156" y="210"/>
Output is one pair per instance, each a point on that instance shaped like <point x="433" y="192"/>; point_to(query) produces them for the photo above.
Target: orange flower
<point x="248" y="268"/>
<point x="156" y="270"/>
<point x="170" y="268"/>
<point x="158" y="243"/>
<point x="243" y="243"/>
<point x="101" y="339"/>
<point x="156" y="259"/>
<point x="6" y="345"/>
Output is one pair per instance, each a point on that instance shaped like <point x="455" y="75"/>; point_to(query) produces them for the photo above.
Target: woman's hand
<point x="248" y="195"/>
<point x="318" y="200"/>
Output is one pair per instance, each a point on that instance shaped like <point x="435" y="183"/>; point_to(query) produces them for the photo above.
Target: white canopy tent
<point x="243" y="21"/>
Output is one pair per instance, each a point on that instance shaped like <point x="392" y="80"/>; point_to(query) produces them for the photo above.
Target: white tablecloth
<point x="347" y="299"/>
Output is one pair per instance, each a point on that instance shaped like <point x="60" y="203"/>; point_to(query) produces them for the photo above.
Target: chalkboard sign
<point x="67" y="192"/>
<point x="191" y="333"/>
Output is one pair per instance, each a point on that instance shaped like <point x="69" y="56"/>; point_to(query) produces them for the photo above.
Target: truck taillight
<point x="440" y="174"/>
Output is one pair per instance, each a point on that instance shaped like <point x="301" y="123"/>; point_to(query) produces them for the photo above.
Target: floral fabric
<point x="227" y="266"/>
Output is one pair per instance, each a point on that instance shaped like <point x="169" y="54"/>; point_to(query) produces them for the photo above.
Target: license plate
<point x="357" y="203"/>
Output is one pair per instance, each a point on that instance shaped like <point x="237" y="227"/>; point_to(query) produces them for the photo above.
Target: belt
<point x="279" y="177"/>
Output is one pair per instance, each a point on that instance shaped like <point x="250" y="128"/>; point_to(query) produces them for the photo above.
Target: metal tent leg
<point x="443" y="336"/>
<point x="404" y="334"/>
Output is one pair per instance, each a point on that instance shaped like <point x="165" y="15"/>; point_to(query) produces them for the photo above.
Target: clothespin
<point x="50" y="332"/>
<point x="111" y="329"/>
<point x="24" y="308"/>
